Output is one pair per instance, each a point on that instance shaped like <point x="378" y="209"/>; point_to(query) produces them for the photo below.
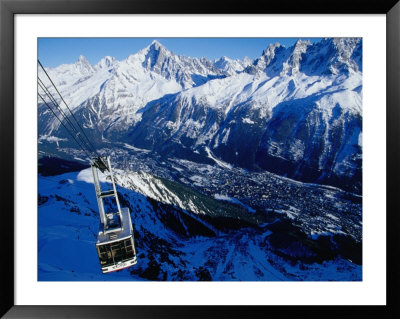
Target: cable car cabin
<point x="115" y="245"/>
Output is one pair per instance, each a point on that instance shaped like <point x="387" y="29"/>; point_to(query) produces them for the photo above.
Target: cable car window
<point x="115" y="252"/>
<point x="105" y="255"/>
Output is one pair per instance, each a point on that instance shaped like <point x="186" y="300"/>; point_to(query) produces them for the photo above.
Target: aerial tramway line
<point x="115" y="243"/>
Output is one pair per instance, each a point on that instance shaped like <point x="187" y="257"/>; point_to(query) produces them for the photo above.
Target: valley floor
<point x="175" y="244"/>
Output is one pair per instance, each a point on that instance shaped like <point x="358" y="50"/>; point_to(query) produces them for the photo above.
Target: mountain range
<point x="294" y="111"/>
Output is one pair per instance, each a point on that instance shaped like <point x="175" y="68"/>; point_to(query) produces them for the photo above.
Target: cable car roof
<point x="125" y="232"/>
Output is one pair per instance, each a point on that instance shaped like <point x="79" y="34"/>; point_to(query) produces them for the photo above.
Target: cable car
<point x="115" y="242"/>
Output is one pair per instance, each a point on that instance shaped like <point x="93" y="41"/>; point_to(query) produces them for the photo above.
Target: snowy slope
<point x="171" y="243"/>
<point x="248" y="120"/>
<point x="230" y="66"/>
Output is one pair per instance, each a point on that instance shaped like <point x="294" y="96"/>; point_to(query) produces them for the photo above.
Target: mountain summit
<point x="84" y="66"/>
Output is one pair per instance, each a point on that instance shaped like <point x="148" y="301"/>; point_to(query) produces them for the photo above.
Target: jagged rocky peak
<point x="345" y="46"/>
<point x="349" y="52"/>
<point x="328" y="56"/>
<point x="155" y="54"/>
<point x="222" y="61"/>
<point x="247" y="61"/>
<point x="205" y="63"/>
<point x="157" y="45"/>
<point x="279" y="60"/>
<point x="300" y="48"/>
<point x="84" y="66"/>
<point x="157" y="48"/>
<point x="301" y="44"/>
<point x="148" y="56"/>
<point x="231" y="66"/>
<point x="186" y="71"/>
<point x="333" y="56"/>
<point x="292" y="65"/>
<point x="106" y="63"/>
<point x="270" y="51"/>
<point x="268" y="55"/>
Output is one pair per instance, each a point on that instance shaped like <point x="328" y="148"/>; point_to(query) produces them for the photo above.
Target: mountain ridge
<point x="292" y="108"/>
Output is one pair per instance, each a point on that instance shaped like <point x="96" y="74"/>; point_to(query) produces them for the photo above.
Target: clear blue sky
<point x="55" y="51"/>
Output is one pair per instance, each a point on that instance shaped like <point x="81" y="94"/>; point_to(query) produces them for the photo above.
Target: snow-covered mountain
<point x="144" y="76"/>
<point x="329" y="56"/>
<point x="295" y="111"/>
<point x="230" y="66"/>
<point x="178" y="237"/>
<point x="108" y="95"/>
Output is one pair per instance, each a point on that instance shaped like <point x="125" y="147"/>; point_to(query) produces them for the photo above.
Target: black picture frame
<point x="8" y="10"/>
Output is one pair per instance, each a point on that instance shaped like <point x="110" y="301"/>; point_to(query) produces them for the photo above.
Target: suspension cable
<point x="58" y="107"/>
<point x="85" y="151"/>
<point x="97" y="160"/>
<point x="68" y="107"/>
